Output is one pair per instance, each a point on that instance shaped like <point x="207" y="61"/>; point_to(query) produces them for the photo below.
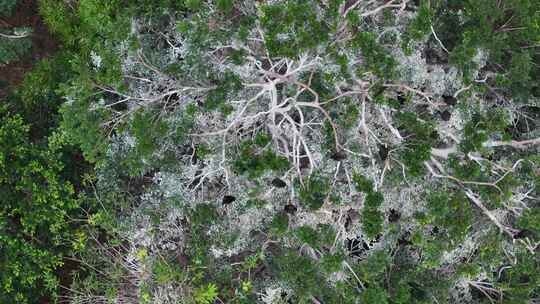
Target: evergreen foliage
<point x="36" y="206"/>
<point x="290" y="151"/>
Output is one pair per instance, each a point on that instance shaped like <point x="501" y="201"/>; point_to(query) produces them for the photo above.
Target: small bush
<point x="314" y="192"/>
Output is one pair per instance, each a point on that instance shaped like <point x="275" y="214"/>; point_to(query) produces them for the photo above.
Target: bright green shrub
<point x="60" y="20"/>
<point x="206" y="294"/>
<point x="34" y="214"/>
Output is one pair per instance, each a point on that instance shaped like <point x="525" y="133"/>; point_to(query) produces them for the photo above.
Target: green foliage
<point x="165" y="272"/>
<point x="372" y="218"/>
<point x="362" y="184"/>
<point x="479" y="128"/>
<point x="81" y="125"/>
<point x="506" y="31"/>
<point x="59" y="19"/>
<point x="34" y="214"/>
<point x="14" y="43"/>
<point x="299" y="273"/>
<point x="280" y="20"/>
<point x="332" y="262"/>
<point x="225" y="6"/>
<point x="262" y="139"/>
<point x="200" y="218"/>
<point x="450" y="218"/>
<point x="326" y="235"/>
<point x="377" y="59"/>
<point x="206" y="294"/>
<point x="307" y="235"/>
<point x="468" y="170"/>
<point x="216" y="99"/>
<point x="38" y="199"/>
<point x="254" y="163"/>
<point x="13" y="49"/>
<point x="279" y="224"/>
<point x="37" y="96"/>
<point x="203" y="215"/>
<point x="420" y="138"/>
<point x="350" y="114"/>
<point x="523" y="280"/>
<point x="99" y="19"/>
<point x="373" y="269"/>
<point x="148" y="132"/>
<point x="193" y="4"/>
<point x="314" y="191"/>
<point x="7" y="7"/>
<point x="402" y="293"/>
<point x="374" y="295"/>
<point x="452" y="213"/>
<point x="418" y="28"/>
<point x="530" y="220"/>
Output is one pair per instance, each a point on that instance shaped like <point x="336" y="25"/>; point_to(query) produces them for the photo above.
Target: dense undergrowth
<point x="274" y="152"/>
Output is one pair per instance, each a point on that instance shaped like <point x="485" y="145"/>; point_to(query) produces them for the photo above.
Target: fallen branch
<point x="510" y="231"/>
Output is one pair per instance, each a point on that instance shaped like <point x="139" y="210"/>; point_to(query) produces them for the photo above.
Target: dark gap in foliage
<point x="445" y="115"/>
<point x="228" y="199"/>
<point x="449" y="100"/>
<point x="383" y="152"/>
<point x="393" y="216"/>
<point x="290" y="209"/>
<point x="356" y="247"/>
<point x="338" y="156"/>
<point x="278" y="183"/>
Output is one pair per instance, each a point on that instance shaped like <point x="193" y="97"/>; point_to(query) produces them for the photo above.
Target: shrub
<point x="503" y="30"/>
<point x="254" y="163"/>
<point x="417" y="147"/>
<point x="34" y="215"/>
<point x="7" y="7"/>
<point x="307" y="235"/>
<point x="418" y="28"/>
<point x="530" y="221"/>
<point x="362" y="184"/>
<point x="13" y="49"/>
<point x="279" y="224"/>
<point x="374" y="295"/>
<point x="279" y="20"/>
<point x="314" y="191"/>
<point x="377" y="59"/>
<point x="299" y="273"/>
<point x="206" y="294"/>
<point x="372" y="218"/>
